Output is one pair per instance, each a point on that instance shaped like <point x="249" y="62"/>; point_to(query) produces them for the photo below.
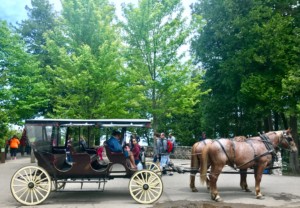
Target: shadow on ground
<point x="201" y="204"/>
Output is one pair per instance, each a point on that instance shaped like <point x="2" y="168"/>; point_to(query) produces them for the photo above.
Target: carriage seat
<point x="114" y="157"/>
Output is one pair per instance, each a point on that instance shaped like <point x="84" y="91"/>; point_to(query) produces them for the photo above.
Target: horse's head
<point x="286" y="140"/>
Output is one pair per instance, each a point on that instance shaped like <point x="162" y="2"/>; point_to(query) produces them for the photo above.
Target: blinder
<point x="287" y="138"/>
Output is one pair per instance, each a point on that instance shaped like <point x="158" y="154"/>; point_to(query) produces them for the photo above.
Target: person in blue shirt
<point x="115" y="146"/>
<point x="114" y="142"/>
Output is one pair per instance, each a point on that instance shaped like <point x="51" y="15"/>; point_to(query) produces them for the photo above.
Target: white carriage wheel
<point x="30" y="185"/>
<point x="153" y="167"/>
<point x="145" y="187"/>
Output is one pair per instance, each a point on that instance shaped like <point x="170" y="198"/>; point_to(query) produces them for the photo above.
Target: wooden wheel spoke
<point x="22" y="176"/>
<point x="21" y="181"/>
<point x="149" y="190"/>
<point x="41" y="180"/>
<point x="21" y="188"/>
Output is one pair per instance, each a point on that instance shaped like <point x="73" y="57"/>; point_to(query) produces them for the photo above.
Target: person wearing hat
<point x="115" y="146"/>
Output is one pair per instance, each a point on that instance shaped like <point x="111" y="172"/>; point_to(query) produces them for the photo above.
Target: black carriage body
<point x="49" y="140"/>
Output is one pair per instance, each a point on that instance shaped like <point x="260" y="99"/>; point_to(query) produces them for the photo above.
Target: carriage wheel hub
<point x="30" y="185"/>
<point x="145" y="187"/>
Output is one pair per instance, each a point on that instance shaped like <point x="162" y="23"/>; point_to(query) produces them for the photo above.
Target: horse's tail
<point x="204" y="163"/>
<point x="194" y="157"/>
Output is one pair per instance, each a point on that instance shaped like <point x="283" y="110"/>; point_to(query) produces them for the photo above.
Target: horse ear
<point x="289" y="130"/>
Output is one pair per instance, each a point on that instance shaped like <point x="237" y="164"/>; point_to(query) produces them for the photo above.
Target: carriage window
<point x="62" y="137"/>
<point x="38" y="137"/>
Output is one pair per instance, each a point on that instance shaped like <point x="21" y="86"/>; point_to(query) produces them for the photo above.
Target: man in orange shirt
<point x="14" y="143"/>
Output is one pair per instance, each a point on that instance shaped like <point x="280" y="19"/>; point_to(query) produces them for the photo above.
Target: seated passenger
<point x="115" y="146"/>
<point x="82" y="144"/>
<point x="136" y="149"/>
<point x="69" y="151"/>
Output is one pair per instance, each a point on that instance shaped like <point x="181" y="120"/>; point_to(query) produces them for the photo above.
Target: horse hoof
<point x="259" y="196"/>
<point x="194" y="190"/>
<point x="247" y="190"/>
<point x="218" y="199"/>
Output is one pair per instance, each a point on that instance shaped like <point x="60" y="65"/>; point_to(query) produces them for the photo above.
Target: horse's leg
<point x="243" y="182"/>
<point x="207" y="180"/>
<point x="192" y="182"/>
<point x="213" y="176"/>
<point x="258" y="171"/>
<point x="194" y="170"/>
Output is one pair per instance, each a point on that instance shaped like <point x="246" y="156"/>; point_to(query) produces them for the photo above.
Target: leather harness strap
<point x="231" y="163"/>
<point x="267" y="142"/>
<point x="265" y="139"/>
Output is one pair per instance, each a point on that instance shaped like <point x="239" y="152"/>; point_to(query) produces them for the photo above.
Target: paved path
<point x="279" y="191"/>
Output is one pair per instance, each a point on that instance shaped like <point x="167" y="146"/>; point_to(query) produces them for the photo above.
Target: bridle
<point x="285" y="137"/>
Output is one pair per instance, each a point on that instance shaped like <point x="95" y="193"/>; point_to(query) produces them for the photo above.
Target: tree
<point x="87" y="74"/>
<point x="249" y="50"/>
<point x="154" y="32"/>
<point x="21" y="85"/>
<point x="41" y="18"/>
<point x="245" y="48"/>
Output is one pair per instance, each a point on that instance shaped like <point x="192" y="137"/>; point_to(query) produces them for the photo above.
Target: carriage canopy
<point x="44" y="134"/>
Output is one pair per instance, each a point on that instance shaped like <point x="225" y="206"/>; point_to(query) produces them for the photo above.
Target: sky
<point x="14" y="10"/>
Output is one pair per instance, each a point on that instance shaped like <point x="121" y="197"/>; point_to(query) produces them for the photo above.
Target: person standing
<point x="203" y="136"/>
<point x="165" y="156"/>
<point x="14" y="145"/>
<point x="173" y="141"/>
<point x="156" y="144"/>
<point x="277" y="163"/>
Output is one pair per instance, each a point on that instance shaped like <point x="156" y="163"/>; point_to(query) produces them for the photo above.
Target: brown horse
<point x="254" y="152"/>
<point x="196" y="159"/>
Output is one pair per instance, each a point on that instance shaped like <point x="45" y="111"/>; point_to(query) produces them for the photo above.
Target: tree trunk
<point x="284" y="121"/>
<point x="294" y="161"/>
<point x="266" y="124"/>
<point x="276" y="121"/>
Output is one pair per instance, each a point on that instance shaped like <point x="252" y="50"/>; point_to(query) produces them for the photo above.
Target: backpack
<point x="169" y="146"/>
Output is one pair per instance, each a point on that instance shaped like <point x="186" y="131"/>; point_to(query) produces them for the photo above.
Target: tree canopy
<point x="241" y="77"/>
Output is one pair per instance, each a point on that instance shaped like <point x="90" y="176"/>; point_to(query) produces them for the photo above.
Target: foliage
<point x="41" y="19"/>
<point x="22" y="89"/>
<point x="154" y="32"/>
<point x="245" y="48"/>
<point x="87" y="75"/>
<point x="4" y="128"/>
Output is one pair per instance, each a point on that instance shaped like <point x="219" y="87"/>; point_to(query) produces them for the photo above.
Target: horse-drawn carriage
<point x="62" y="159"/>
<point x="67" y="151"/>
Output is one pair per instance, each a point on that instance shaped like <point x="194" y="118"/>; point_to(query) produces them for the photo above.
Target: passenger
<point x="115" y="146"/>
<point x="69" y="151"/>
<point x="136" y="137"/>
<point x="82" y="144"/>
<point x="136" y="149"/>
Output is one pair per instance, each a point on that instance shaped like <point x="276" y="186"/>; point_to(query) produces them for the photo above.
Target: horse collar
<point x="268" y="144"/>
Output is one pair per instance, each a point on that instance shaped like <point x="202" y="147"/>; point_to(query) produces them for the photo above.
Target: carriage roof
<point x="91" y="122"/>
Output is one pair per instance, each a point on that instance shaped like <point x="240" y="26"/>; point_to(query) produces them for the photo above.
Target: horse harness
<point x="264" y="138"/>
